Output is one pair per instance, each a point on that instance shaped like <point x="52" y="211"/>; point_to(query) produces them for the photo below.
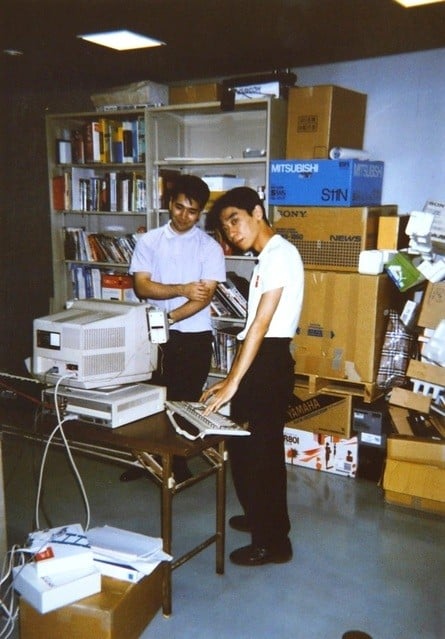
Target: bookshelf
<point x="99" y="199"/>
<point x="206" y="141"/>
<point x="108" y="173"/>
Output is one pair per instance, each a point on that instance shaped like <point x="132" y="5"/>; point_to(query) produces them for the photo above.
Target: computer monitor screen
<point x="94" y="344"/>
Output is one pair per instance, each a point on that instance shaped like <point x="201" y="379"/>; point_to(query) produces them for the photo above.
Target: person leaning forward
<point x="260" y="382"/>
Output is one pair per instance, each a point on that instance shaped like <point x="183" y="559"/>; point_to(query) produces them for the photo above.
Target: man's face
<point x="184" y="213"/>
<point x="240" y="228"/>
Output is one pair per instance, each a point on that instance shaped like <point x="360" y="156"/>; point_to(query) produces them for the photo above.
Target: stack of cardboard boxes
<point x="415" y="462"/>
<point x="330" y="209"/>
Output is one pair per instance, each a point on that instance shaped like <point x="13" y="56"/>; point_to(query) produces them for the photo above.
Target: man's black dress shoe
<point x="258" y="555"/>
<point x="239" y="522"/>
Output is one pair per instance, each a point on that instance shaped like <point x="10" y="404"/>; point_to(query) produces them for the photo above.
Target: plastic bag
<point x="395" y="355"/>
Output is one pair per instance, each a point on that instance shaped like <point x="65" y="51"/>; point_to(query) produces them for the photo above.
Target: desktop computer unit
<point x="109" y="407"/>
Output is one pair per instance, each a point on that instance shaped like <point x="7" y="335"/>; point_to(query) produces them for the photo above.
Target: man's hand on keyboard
<point x="217" y="395"/>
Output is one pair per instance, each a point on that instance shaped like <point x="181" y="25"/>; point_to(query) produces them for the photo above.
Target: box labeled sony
<point x="326" y="182"/>
<point x="330" y="238"/>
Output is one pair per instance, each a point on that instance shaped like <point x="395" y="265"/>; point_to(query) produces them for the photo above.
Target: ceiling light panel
<point x="417" y="3"/>
<point x="122" y="40"/>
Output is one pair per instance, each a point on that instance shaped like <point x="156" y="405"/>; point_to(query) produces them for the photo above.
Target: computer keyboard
<point x="212" y="424"/>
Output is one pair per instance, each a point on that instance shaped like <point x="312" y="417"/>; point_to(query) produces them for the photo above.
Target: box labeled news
<point x="330" y="238"/>
<point x="327" y="453"/>
<point x="325" y="182"/>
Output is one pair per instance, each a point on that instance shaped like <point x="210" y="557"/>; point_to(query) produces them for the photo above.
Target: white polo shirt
<point x="279" y="265"/>
<point x="179" y="258"/>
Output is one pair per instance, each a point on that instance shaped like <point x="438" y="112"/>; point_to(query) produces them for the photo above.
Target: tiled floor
<point x="359" y="564"/>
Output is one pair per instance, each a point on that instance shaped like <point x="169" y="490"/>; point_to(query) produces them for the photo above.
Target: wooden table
<point x="150" y="443"/>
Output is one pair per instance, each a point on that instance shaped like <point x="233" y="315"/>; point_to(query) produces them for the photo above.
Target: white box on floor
<point x="52" y="592"/>
<point x="328" y="453"/>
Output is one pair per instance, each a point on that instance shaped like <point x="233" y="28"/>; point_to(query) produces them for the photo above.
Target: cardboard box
<point x="192" y="93"/>
<point x="120" y="611"/>
<point x="418" y="486"/>
<point x="425" y="372"/>
<point x="137" y="93"/>
<point x="330" y="238"/>
<point x="222" y="182"/>
<point x="118" y="287"/>
<point x="408" y="399"/>
<point x="342" y="324"/>
<point x="407" y="423"/>
<point x="321" y="413"/>
<point x="416" y="450"/>
<point x="391" y="232"/>
<point x="48" y="593"/>
<point x="325" y="182"/>
<point x="322" y="117"/>
<point x="433" y="305"/>
<point x="328" y="453"/>
<point x="403" y="272"/>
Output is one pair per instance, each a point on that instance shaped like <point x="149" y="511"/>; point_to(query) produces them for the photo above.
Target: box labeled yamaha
<point x="326" y="182"/>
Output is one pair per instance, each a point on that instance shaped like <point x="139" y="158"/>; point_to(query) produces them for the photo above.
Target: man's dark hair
<point x="192" y="187"/>
<point x="242" y="197"/>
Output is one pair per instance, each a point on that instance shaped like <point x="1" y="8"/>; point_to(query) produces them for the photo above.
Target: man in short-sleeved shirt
<point x="261" y="379"/>
<point x="177" y="267"/>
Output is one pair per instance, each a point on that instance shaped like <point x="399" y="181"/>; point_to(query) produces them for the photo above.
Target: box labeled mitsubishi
<point x="326" y="182"/>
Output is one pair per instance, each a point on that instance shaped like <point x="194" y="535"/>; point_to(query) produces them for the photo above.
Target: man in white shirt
<point x="261" y="380"/>
<point x="177" y="267"/>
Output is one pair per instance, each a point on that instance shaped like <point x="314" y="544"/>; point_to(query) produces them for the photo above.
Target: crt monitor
<point x="94" y="344"/>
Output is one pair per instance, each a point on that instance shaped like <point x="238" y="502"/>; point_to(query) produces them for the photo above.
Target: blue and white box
<point x="325" y="182"/>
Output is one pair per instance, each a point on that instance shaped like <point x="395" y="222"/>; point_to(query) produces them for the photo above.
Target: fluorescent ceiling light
<point x="416" y="3"/>
<point x="121" y="40"/>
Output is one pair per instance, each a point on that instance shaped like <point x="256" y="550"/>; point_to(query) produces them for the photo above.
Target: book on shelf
<point x="127" y="139"/>
<point x="104" y="140"/>
<point x="92" y="141"/>
<point x="117" y="142"/>
<point x="140" y="154"/>
<point x="61" y="191"/>
<point x="225" y="345"/>
<point x="86" y="282"/>
<point x="92" y="247"/>
<point x="218" y="309"/>
<point x="77" y="147"/>
<point x="228" y="293"/>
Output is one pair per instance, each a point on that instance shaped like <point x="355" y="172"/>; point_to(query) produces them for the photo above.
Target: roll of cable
<point x="371" y="262"/>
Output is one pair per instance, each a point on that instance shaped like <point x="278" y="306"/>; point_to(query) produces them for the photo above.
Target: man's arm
<point x="198" y="294"/>
<point x="223" y="391"/>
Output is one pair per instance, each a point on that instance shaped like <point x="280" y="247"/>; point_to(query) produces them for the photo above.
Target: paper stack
<point x="123" y="554"/>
